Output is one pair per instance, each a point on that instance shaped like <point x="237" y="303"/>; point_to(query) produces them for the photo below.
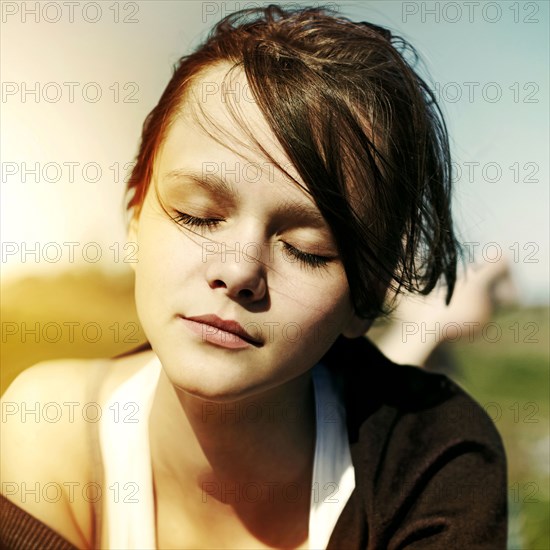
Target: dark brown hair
<point x="361" y="127"/>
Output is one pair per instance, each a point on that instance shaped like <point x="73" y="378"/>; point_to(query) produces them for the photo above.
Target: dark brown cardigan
<point x="430" y="467"/>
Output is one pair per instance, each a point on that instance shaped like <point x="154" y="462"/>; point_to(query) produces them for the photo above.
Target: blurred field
<point x="510" y="378"/>
<point x="76" y="314"/>
<point x="88" y="314"/>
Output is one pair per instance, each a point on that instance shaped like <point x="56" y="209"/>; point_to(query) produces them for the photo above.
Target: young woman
<point x="294" y="173"/>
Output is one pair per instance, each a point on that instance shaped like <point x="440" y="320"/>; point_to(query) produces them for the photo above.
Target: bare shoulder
<point x="45" y="459"/>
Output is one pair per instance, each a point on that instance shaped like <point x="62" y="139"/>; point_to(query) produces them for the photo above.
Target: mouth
<point x="226" y="333"/>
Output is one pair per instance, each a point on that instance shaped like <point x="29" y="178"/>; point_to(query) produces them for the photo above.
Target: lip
<point x="229" y="334"/>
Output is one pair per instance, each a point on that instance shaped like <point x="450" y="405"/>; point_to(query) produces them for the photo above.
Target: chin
<point x="214" y="382"/>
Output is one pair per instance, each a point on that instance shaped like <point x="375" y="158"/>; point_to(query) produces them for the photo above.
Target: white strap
<point x="124" y="438"/>
<point x="333" y="473"/>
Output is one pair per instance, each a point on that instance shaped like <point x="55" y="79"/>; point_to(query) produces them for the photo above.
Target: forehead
<point x="220" y="127"/>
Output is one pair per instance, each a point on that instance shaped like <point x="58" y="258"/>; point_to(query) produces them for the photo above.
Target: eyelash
<point x="192" y="221"/>
<point x="310" y="260"/>
<point x="305" y="258"/>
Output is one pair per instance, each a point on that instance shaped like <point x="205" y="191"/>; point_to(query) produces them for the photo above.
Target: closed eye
<point x="306" y="258"/>
<point x="192" y="221"/>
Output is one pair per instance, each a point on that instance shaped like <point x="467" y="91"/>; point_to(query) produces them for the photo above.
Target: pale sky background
<point x="498" y="47"/>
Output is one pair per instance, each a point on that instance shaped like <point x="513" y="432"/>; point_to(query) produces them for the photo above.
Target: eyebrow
<point x="209" y="182"/>
<point x="306" y="214"/>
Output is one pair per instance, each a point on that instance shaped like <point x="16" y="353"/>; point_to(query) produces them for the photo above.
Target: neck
<point x="266" y="439"/>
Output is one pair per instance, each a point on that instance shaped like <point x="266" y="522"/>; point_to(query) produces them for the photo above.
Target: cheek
<point x="321" y="310"/>
<point x="165" y="250"/>
<point x="161" y="266"/>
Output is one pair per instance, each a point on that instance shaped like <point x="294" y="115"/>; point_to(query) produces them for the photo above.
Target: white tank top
<point x="128" y="506"/>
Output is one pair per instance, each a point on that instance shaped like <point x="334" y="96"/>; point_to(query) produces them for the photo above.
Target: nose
<point x="241" y="275"/>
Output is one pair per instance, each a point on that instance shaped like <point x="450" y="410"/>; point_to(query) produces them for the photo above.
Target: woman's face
<point x="247" y="246"/>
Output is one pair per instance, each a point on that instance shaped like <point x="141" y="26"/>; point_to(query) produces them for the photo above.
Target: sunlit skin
<point x="295" y="309"/>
